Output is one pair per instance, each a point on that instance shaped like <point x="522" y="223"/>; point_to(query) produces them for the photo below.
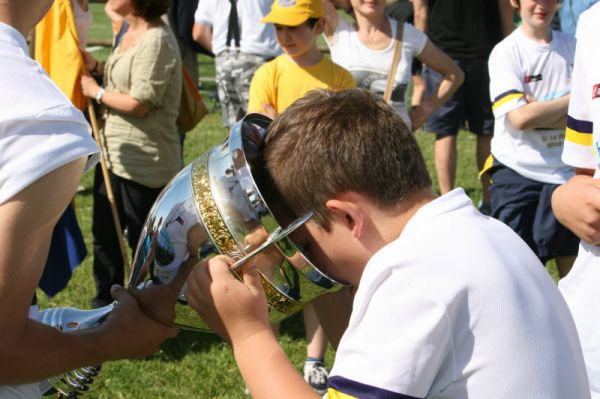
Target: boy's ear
<point x="319" y="26"/>
<point x="516" y="4"/>
<point x="347" y="213"/>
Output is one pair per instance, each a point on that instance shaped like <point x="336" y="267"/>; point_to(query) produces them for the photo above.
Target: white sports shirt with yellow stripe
<point x="521" y="67"/>
<point x="581" y="287"/>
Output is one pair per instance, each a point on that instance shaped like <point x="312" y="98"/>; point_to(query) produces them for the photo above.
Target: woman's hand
<point x="89" y="86"/>
<point x="418" y="116"/>
<point x="90" y="63"/>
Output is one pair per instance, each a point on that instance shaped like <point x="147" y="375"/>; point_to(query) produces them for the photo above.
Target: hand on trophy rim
<point x="128" y="332"/>
<point x="158" y="301"/>
<point x="234" y="309"/>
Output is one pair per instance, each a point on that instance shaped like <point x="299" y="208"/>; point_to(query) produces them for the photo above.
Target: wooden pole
<point x="109" y="192"/>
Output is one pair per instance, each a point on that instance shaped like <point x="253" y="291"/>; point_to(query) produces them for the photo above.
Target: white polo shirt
<point x="458" y="307"/>
<point x="40" y="129"/>
<point x="255" y="37"/>
<point x="581" y="287"/>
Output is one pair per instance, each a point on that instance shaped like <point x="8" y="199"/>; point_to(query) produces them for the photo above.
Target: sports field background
<point x="197" y="365"/>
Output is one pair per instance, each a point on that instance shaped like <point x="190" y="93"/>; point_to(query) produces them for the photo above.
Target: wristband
<point x="99" y="95"/>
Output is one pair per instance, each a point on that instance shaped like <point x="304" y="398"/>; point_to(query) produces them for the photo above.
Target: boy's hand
<point x="129" y="332"/>
<point x="576" y="205"/>
<point x="233" y="309"/>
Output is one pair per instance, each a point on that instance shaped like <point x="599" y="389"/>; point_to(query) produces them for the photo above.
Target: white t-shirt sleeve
<point x="35" y="148"/>
<point x="506" y="84"/>
<point x="396" y="343"/>
<point x="342" y="28"/>
<point x="416" y="39"/>
<point x="40" y="129"/>
<point x="205" y="12"/>
<point x="578" y="148"/>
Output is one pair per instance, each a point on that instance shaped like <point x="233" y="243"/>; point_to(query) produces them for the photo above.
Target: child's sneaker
<point x="316" y="375"/>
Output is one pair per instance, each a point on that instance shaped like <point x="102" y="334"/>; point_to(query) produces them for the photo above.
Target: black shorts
<point x="470" y="104"/>
<point x="525" y="206"/>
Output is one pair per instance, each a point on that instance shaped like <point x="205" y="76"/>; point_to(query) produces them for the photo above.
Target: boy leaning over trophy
<point x="449" y="303"/>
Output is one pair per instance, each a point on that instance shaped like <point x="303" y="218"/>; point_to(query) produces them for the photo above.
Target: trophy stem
<point x="73" y="383"/>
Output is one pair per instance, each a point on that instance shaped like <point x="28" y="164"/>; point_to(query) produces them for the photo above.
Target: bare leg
<point x="316" y="341"/>
<point x="483" y="151"/>
<point x="564" y="264"/>
<point x="418" y="93"/>
<point x="333" y="311"/>
<point x="445" y="162"/>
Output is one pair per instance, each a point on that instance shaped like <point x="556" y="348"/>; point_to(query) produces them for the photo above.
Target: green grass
<point x="195" y="365"/>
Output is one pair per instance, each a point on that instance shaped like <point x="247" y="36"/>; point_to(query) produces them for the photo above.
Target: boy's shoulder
<point x="509" y="42"/>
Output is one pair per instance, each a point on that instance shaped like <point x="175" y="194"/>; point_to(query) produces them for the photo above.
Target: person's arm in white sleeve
<point x="31" y="351"/>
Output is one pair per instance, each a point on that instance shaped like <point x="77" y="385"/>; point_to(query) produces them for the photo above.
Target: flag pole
<point x="109" y="191"/>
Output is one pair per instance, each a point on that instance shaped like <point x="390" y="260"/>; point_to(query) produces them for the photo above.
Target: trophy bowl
<point x="213" y="206"/>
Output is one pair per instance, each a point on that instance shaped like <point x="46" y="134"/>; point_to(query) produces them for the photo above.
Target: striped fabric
<point x="579" y="131"/>
<point x="343" y="388"/>
<point x="506" y="97"/>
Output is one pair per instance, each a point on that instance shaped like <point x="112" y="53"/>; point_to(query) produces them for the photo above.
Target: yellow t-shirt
<point x="280" y="82"/>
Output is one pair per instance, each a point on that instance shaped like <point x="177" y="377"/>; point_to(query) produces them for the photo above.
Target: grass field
<point x="201" y="365"/>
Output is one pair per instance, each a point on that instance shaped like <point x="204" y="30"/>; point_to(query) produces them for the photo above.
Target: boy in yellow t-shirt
<point x="275" y="86"/>
<point x="302" y="67"/>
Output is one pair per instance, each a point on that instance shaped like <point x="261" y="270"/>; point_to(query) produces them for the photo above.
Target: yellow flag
<point x="57" y="50"/>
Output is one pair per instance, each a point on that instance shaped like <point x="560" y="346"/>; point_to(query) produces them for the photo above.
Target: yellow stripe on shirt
<point x="333" y="394"/>
<point x="506" y="99"/>
<point x="576" y="137"/>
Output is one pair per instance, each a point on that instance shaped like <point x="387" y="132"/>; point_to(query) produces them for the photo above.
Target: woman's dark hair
<point x="150" y="10"/>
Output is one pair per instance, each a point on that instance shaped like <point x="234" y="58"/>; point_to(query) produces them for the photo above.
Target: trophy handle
<point x="72" y="384"/>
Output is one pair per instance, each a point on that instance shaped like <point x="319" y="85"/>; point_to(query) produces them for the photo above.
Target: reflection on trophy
<point x="219" y="204"/>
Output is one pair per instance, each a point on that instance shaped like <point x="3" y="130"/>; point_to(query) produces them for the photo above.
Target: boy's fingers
<point x="252" y="278"/>
<point x="218" y="267"/>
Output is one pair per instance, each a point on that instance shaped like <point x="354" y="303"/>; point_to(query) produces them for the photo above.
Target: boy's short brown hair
<point x="329" y="142"/>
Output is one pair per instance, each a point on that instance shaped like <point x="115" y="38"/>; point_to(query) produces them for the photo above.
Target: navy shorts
<point x="470" y="104"/>
<point x="525" y="206"/>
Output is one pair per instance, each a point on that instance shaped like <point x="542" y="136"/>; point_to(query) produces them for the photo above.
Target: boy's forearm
<point x="545" y="114"/>
<point x="266" y="369"/>
<point x="39" y="351"/>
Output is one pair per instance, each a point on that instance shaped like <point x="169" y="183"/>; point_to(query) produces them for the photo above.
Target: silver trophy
<point x="215" y="205"/>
